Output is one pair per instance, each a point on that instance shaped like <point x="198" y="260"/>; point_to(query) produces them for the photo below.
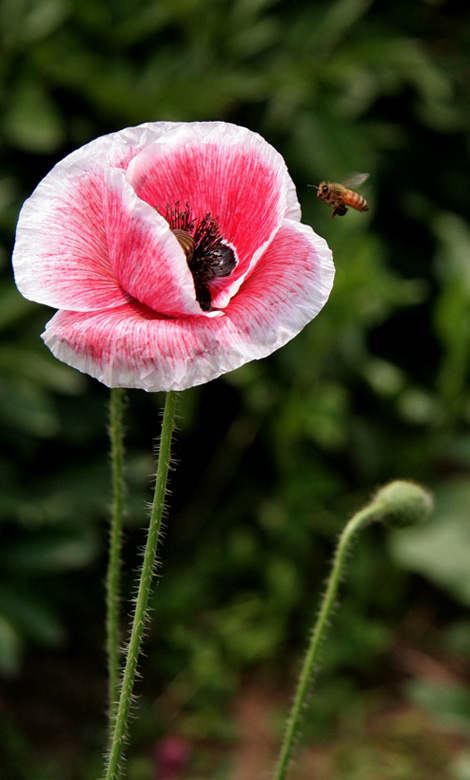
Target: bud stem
<point x="321" y="623"/>
<point x="399" y="500"/>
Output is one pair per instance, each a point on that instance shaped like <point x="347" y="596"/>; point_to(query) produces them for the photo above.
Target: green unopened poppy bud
<point x="401" y="504"/>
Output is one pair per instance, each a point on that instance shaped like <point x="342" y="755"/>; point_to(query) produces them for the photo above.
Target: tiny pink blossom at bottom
<point x="174" y="253"/>
<point x="172" y="754"/>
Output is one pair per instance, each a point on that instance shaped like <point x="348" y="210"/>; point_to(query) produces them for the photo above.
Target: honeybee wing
<point x="355" y="180"/>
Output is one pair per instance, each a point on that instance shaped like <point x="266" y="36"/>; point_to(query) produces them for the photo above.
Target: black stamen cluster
<point x="211" y="258"/>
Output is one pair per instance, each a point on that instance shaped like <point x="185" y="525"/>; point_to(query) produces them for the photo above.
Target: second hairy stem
<point x="114" y="564"/>
<point x="140" y="614"/>
<point x="400" y="504"/>
<point x="359" y="520"/>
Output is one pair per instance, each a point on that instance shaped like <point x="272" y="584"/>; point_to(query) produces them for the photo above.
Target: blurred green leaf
<point x="28" y="21"/>
<point x="449" y="703"/>
<point x="460" y="768"/>
<point x="38" y="370"/>
<point x="32" y="121"/>
<point x="452" y="312"/>
<point x="49" y="554"/>
<point x="13" y="307"/>
<point x="30" y="616"/>
<point x="27" y="408"/>
<point x="10" y="647"/>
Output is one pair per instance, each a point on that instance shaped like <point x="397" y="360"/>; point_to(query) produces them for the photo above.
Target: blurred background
<point x="273" y="458"/>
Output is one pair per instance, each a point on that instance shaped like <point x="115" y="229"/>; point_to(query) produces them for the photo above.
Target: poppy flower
<point x="174" y="253"/>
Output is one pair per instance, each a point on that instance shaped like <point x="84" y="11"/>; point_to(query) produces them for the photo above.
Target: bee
<point x="340" y="196"/>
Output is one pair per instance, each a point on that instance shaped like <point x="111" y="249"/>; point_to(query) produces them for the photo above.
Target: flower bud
<point x="401" y="504"/>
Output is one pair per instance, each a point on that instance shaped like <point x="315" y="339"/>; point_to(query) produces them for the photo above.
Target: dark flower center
<point x="207" y="253"/>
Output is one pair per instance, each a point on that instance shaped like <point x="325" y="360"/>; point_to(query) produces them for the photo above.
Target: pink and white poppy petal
<point x="60" y="256"/>
<point x="224" y="170"/>
<point x="288" y="287"/>
<point x="146" y="258"/>
<point x="133" y="347"/>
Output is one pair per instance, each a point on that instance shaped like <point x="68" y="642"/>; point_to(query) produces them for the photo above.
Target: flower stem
<point x="399" y="504"/>
<point x="141" y="603"/>
<point x="114" y="563"/>
<point x="362" y="518"/>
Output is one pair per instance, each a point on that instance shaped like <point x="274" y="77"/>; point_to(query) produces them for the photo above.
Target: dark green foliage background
<point x="274" y="457"/>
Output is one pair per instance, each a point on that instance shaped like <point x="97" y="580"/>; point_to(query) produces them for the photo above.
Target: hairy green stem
<point x="362" y="518"/>
<point x="113" y="770"/>
<point x="114" y="562"/>
<point x="399" y="504"/>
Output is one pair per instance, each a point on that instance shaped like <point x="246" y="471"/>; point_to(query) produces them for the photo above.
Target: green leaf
<point x="449" y="703"/>
<point x="10" y="647"/>
<point x="30" y="617"/>
<point x="49" y="554"/>
<point x="32" y="121"/>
